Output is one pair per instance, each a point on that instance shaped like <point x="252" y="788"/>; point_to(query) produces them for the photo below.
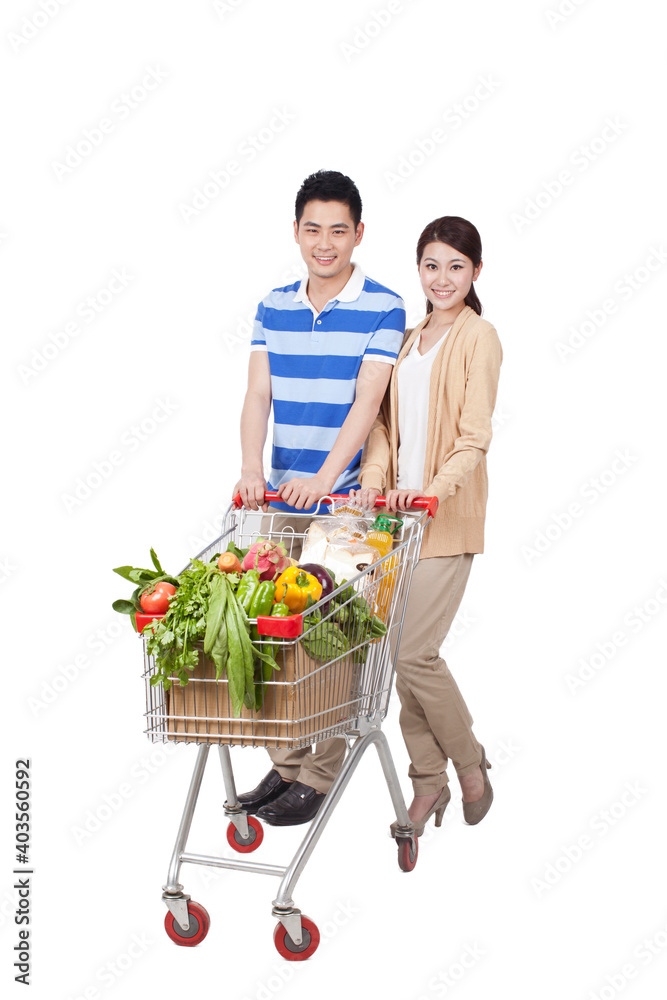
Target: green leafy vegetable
<point x="215" y="615"/>
<point x="204" y="612"/>
<point x="173" y="640"/>
<point x="326" y="641"/>
<point x="156" y="561"/>
<point x="124" y="607"/>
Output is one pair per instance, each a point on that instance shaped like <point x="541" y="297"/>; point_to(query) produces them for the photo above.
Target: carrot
<point x="229" y="563"/>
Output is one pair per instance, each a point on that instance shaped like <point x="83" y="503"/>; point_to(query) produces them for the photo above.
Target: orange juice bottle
<point x="381" y="537"/>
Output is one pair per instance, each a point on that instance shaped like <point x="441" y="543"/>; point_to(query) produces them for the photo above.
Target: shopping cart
<point x="309" y="699"/>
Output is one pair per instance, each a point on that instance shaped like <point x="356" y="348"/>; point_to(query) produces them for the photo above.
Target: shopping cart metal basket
<point x="309" y="699"/>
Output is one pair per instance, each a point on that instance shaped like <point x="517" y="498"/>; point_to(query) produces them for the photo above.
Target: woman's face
<point x="446" y="276"/>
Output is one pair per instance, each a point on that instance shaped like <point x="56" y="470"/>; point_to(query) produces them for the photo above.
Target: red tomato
<point x="156" y="601"/>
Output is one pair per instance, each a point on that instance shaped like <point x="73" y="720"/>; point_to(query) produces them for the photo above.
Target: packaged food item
<point x="315" y="543"/>
<point x="337" y="530"/>
<point x="348" y="509"/>
<point x="339" y="544"/>
<point x="381" y="535"/>
<point x="347" y="561"/>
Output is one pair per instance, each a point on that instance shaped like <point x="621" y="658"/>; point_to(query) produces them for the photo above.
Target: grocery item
<point x="321" y="574"/>
<point x="339" y="544"/>
<point x="203" y="605"/>
<point x="381" y="537"/>
<point x="155" y="600"/>
<point x="315" y="543"/>
<point x="246" y="588"/>
<point x="229" y="563"/>
<point x="269" y="558"/>
<point x="347" y="561"/>
<point x="297" y="589"/>
<point x="148" y="590"/>
<point x="261" y="601"/>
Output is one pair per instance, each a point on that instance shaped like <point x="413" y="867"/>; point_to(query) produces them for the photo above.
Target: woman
<point x="431" y="439"/>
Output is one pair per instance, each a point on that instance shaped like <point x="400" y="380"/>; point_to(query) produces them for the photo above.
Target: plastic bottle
<point x="381" y="537"/>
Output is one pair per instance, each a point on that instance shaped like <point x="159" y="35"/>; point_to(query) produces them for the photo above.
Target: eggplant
<point x="324" y="577"/>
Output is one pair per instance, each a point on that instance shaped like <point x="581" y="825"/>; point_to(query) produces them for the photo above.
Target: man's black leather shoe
<point x="297" y="805"/>
<point x="269" y="788"/>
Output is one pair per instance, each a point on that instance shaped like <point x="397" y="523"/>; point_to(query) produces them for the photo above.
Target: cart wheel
<point x="253" y="840"/>
<point x="297" y="952"/>
<point x="199" y="924"/>
<point x="407" y="856"/>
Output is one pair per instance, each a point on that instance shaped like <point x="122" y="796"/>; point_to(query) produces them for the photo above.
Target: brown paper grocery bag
<point x="304" y="702"/>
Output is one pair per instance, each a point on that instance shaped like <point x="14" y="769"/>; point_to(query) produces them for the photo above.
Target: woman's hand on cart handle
<point x="418" y="502"/>
<point x="401" y="499"/>
<point x="365" y="498"/>
<point x="372" y="498"/>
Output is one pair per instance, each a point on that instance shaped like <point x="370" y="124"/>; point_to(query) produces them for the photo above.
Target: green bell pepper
<point x="246" y="588"/>
<point x="261" y="600"/>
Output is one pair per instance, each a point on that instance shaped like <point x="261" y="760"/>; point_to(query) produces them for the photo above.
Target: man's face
<point x="326" y="235"/>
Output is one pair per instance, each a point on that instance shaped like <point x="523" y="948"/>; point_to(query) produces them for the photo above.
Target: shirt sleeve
<point x="375" y="456"/>
<point x="475" y="421"/>
<point x="258" y="339"/>
<point x="386" y="341"/>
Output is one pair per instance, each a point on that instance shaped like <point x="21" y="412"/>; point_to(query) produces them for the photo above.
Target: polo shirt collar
<point x="348" y="293"/>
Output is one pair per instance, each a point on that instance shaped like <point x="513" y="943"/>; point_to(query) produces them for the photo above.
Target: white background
<point x="554" y="893"/>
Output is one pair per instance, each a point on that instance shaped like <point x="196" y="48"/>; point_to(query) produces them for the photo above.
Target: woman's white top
<point x="414" y="375"/>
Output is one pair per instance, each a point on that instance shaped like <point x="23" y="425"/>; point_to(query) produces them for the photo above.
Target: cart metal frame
<point x="299" y="939"/>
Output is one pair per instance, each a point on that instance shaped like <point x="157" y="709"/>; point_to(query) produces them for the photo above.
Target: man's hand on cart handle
<point x="250" y="492"/>
<point x="305" y="491"/>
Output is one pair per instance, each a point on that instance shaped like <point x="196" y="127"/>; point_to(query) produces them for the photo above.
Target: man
<point x="321" y="353"/>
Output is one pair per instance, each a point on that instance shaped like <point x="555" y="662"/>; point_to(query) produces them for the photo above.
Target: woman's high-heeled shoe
<point x="438" y="808"/>
<point x="473" y="812"/>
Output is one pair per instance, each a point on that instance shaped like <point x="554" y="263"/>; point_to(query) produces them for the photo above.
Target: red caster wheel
<point x="253" y="840"/>
<point x="407" y="855"/>
<point x="297" y="952"/>
<point x="199" y="925"/>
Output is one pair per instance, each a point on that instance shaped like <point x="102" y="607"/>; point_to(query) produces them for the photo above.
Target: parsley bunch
<point x="172" y="639"/>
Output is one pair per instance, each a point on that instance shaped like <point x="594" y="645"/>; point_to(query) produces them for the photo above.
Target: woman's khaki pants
<point x="435" y="720"/>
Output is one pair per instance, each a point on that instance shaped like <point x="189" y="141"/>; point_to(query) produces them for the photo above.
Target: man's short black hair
<point x="329" y="185"/>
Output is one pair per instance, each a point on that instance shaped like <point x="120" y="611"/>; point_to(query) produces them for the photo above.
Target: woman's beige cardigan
<point x="462" y="395"/>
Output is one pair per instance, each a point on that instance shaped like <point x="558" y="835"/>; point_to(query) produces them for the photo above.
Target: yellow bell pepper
<point x="294" y="586"/>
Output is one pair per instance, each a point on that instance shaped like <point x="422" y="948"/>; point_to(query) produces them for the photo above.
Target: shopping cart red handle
<point x="429" y="504"/>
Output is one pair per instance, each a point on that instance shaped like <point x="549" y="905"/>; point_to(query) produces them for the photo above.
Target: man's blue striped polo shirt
<point x="314" y="360"/>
